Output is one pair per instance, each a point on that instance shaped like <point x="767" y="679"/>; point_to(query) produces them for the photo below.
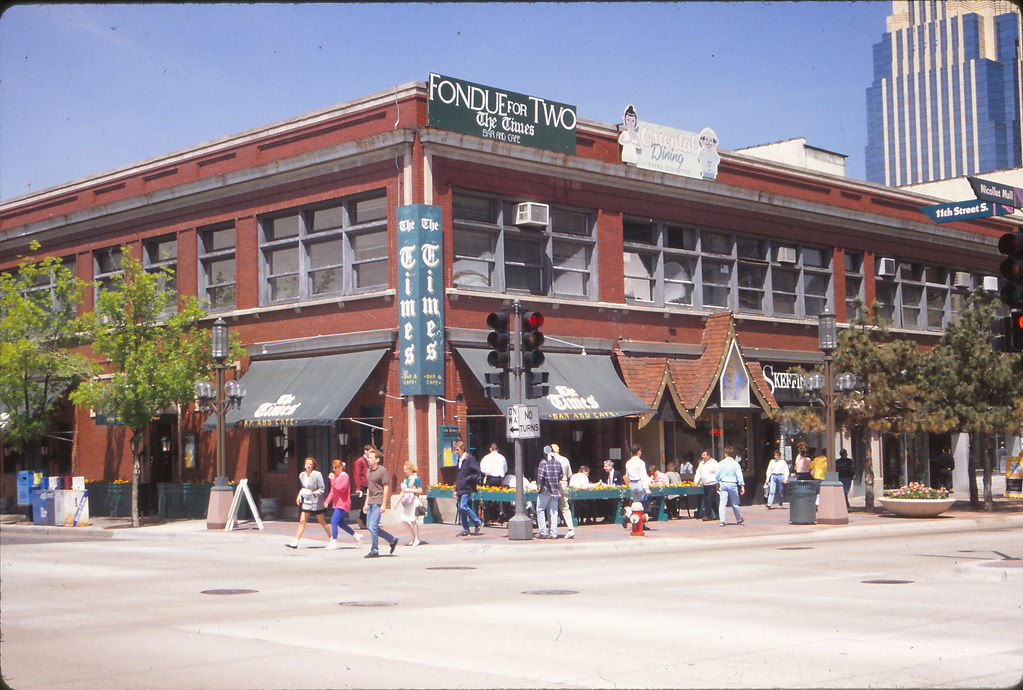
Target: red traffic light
<point x="1011" y="243"/>
<point x="532" y="320"/>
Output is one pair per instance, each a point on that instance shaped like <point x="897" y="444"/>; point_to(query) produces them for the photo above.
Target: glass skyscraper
<point x="947" y="96"/>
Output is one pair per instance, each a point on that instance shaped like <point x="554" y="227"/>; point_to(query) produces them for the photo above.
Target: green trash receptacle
<point x="802" y="495"/>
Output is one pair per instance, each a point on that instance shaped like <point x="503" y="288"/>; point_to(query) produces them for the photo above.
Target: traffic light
<point x="536" y="384"/>
<point x="532" y="339"/>
<point x="1011" y="244"/>
<point x="1008" y="332"/>
<point x="497" y="385"/>
<point x="499" y="357"/>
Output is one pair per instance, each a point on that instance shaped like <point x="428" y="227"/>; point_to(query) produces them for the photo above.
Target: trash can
<point x="802" y="495"/>
<point x="42" y="507"/>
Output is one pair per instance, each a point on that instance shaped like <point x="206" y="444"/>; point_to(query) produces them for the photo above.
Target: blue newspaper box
<point x="24" y="484"/>
<point x="42" y="507"/>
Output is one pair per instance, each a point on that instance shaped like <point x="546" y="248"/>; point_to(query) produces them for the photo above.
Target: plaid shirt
<point x="548" y="477"/>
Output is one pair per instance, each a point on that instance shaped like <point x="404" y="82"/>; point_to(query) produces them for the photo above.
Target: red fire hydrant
<point x="637" y="516"/>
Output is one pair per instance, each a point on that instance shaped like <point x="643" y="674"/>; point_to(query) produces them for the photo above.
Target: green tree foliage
<point x="155" y="348"/>
<point x="38" y="307"/>
<point x="970" y="386"/>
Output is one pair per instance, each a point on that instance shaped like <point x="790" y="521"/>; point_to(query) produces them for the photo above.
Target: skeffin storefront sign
<point x="491" y="113"/>
<point x="964" y="210"/>
<point x="786" y="386"/>
<point x="675" y="151"/>
<point x="420" y="300"/>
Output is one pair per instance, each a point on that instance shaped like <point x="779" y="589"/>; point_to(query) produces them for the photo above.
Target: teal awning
<point x="301" y="391"/>
<point x="581" y="387"/>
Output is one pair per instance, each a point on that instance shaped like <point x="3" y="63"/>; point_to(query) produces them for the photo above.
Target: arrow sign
<point x="523" y="421"/>
<point x="965" y="210"/>
<point x="997" y="193"/>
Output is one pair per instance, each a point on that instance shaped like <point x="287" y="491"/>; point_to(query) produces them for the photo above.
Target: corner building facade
<point x="676" y="308"/>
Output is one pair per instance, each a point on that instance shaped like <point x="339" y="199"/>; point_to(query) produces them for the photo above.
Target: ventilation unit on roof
<point x="885" y="267"/>
<point x="785" y="255"/>
<point x="532" y="213"/>
<point x="991" y="283"/>
<point x="962" y="279"/>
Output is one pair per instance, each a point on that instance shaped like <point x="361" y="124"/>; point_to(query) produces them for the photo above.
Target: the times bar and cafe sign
<point x="484" y="111"/>
<point x="420" y="300"/>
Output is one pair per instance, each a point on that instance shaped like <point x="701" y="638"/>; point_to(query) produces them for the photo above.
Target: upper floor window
<point x="319" y="251"/>
<point x="672" y="264"/>
<point x="158" y="254"/>
<point x="106" y="269"/>
<point x="853" y="284"/>
<point x="918" y="296"/>
<point x="218" y="281"/>
<point x="492" y="253"/>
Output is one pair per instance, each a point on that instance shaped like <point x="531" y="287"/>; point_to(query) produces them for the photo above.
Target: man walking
<point x="465" y="486"/>
<point x="730" y="486"/>
<point x="378" y="495"/>
<point x="639" y="480"/>
<point x="494" y="466"/>
<point x="548" y="488"/>
<point x="563" y="508"/>
<point x="359" y="469"/>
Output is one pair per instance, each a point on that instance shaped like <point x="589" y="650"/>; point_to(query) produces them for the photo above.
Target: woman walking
<point x="411" y="487"/>
<point x="309" y="499"/>
<point x="340" y="499"/>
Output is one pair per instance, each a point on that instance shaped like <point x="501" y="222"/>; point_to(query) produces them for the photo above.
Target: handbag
<point x="406" y="498"/>
<point x="420" y="510"/>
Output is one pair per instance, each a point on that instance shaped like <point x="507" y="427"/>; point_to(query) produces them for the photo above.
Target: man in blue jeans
<point x="730" y="486"/>
<point x="465" y="486"/>
<point x="378" y="494"/>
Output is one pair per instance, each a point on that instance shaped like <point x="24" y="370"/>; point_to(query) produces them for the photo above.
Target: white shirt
<point x="494" y="464"/>
<point x="566" y="468"/>
<point x="579" y="481"/>
<point x="635" y="471"/>
<point x="706" y="472"/>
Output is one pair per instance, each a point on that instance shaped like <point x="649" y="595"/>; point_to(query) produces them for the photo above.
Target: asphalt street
<point x="882" y="602"/>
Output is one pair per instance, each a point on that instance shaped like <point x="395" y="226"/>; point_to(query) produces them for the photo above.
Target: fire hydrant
<point x="637" y="516"/>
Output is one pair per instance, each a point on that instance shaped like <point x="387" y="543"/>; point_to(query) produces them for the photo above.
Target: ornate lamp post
<point x="219" y="398"/>
<point x="832" y="509"/>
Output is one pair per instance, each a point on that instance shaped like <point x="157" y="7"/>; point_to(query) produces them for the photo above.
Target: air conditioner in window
<point x="962" y="279"/>
<point x="885" y="267"/>
<point x="785" y="255"/>
<point x="991" y="283"/>
<point x="532" y="214"/>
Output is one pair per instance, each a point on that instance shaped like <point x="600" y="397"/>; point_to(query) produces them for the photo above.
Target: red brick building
<point x="684" y="299"/>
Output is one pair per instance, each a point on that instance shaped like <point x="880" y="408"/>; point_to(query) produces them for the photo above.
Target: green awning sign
<point x="484" y="111"/>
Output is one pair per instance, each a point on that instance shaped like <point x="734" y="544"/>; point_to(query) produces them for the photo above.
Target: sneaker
<point x="542" y="536"/>
<point x="463" y="533"/>
<point x="722" y="524"/>
<point x="571" y="534"/>
<point x="358" y="539"/>
<point x="372" y="554"/>
<point x="476" y="531"/>
<point x="394" y="544"/>
<point x="740" y="521"/>
<point x="415" y="542"/>
<point x="292" y="545"/>
<point x="332" y="544"/>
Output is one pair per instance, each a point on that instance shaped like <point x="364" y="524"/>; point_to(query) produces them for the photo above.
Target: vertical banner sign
<point x="420" y="300"/>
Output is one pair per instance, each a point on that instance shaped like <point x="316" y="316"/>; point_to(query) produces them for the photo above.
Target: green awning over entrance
<point x="302" y="391"/>
<point x="581" y="387"/>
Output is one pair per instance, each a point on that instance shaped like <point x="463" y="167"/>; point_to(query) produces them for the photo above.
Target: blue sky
<point x="88" y="88"/>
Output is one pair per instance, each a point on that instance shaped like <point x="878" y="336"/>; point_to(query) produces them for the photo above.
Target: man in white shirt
<point x="563" y="507"/>
<point x="636" y="474"/>
<point x="493" y="467"/>
<point x="707" y="476"/>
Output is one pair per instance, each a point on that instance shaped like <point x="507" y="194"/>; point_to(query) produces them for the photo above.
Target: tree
<point x="891" y="389"/>
<point x="40" y="329"/>
<point x="973" y="388"/>
<point x="155" y="352"/>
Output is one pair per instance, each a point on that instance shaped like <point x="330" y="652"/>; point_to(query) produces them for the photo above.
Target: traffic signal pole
<point x="520" y="526"/>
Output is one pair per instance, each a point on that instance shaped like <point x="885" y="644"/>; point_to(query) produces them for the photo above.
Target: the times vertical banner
<point x="420" y="300"/>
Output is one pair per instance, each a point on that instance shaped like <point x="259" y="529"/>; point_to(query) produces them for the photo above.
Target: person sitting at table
<point x="672" y="502"/>
<point x="581" y="480"/>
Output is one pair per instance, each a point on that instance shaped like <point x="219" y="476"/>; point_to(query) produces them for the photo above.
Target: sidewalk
<point x="758" y="522"/>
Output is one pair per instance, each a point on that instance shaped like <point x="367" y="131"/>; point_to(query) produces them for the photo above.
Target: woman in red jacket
<point x="340" y="499"/>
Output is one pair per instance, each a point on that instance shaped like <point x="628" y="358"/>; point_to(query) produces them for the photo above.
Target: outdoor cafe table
<point x="619" y="494"/>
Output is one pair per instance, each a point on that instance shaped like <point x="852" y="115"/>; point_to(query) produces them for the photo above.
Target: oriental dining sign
<point x="484" y="111"/>
<point x="420" y="300"/>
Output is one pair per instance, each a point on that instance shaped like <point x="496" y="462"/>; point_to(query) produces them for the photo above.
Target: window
<point x="332" y="249"/>
<point x="919" y="296"/>
<point x="160" y="257"/>
<point x="218" y="280"/>
<point x="106" y="271"/>
<point x="671" y="264"/>
<point x="491" y="253"/>
<point x="853" y="284"/>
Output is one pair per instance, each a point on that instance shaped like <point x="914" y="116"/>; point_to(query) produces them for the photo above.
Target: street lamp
<point x="832" y="504"/>
<point x="219" y="398"/>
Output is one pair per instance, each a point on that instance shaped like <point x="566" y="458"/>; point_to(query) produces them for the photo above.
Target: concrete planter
<point x="917" y="507"/>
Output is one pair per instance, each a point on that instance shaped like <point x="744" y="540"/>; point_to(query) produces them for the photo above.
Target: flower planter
<point x="917" y="507"/>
